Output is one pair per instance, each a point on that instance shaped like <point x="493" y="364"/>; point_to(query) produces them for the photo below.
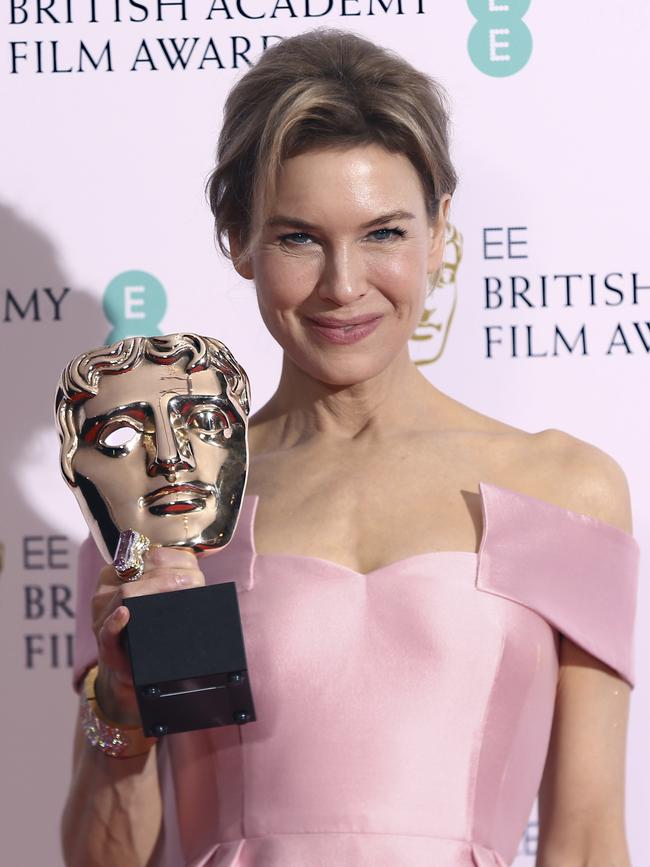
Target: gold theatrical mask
<point x="154" y="439"/>
<point x="428" y="341"/>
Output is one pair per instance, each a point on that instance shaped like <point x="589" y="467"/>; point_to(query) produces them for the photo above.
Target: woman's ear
<point x="438" y="235"/>
<point x="243" y="266"/>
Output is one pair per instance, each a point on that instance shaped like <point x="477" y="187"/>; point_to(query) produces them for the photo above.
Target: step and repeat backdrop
<point x="110" y="115"/>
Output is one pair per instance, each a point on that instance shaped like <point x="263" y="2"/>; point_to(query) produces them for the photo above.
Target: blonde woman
<point x="438" y="606"/>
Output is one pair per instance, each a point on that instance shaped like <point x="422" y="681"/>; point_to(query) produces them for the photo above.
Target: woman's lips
<point x="350" y="331"/>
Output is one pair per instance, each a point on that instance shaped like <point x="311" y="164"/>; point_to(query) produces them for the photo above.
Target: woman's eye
<point x="300" y="239"/>
<point x="387" y="233"/>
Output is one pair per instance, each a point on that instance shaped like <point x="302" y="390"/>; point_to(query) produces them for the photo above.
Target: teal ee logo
<point x="499" y="44"/>
<point x="134" y="303"/>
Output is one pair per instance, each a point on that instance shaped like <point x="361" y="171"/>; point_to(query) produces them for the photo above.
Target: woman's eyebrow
<point x="281" y="220"/>
<point x="389" y="218"/>
<point x="296" y="223"/>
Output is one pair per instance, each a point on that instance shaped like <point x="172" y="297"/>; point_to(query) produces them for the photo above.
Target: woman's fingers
<point x="161" y="580"/>
<point x="111" y="652"/>
<point x="165" y="570"/>
<point x="169" y="558"/>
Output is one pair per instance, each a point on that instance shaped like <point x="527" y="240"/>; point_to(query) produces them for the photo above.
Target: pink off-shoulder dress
<point x="403" y="716"/>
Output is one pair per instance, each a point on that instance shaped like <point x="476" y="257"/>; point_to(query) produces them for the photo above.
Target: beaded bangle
<point x="116" y="741"/>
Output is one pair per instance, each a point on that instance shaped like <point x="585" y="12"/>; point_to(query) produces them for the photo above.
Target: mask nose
<point x="170" y="451"/>
<point x="169" y="466"/>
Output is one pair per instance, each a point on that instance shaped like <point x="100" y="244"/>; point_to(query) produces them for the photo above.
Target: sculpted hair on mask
<point x="82" y="376"/>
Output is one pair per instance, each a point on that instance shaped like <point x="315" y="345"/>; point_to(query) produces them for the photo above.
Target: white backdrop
<point x="102" y="173"/>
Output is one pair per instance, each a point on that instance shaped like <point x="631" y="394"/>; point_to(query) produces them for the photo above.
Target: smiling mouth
<point x="178" y="499"/>
<point x="346" y="332"/>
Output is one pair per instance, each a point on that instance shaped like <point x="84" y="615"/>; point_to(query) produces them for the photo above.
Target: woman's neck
<point x="304" y="408"/>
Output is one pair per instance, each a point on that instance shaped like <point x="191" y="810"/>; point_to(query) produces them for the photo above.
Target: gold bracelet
<point x="116" y="741"/>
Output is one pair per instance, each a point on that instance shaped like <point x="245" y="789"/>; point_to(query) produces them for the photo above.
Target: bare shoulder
<point x="581" y="476"/>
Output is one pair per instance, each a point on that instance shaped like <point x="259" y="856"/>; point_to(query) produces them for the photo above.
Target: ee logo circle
<point x="134" y="303"/>
<point x="499" y="44"/>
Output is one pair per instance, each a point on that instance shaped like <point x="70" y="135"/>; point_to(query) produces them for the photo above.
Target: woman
<point x="437" y="604"/>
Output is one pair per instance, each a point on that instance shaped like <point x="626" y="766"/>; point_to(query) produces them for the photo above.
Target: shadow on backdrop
<point x="41" y="331"/>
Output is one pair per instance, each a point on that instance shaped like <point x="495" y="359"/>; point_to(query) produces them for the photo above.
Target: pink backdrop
<point x="110" y="123"/>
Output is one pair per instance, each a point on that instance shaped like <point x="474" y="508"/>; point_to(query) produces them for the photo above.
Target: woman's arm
<point x="582" y="794"/>
<point x="112" y="817"/>
<point x="113" y="814"/>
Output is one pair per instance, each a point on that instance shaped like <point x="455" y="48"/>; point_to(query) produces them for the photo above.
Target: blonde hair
<point x="324" y="88"/>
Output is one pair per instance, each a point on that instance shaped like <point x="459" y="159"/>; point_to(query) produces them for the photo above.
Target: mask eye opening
<point x="118" y="435"/>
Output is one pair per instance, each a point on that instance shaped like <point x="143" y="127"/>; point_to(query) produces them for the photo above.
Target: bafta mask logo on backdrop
<point x="428" y="341"/>
<point x="134" y="303"/>
<point x="499" y="44"/>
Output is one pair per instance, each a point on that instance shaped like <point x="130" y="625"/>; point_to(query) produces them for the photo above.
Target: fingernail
<point x="183" y="580"/>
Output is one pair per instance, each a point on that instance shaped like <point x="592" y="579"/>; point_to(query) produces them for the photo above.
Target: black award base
<point x="188" y="659"/>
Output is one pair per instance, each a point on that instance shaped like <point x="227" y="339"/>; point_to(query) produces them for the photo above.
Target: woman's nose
<point x="343" y="278"/>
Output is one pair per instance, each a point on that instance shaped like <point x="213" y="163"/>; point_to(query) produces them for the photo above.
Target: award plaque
<point x="154" y="446"/>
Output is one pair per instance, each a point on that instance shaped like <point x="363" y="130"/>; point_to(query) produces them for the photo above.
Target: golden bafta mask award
<point x="153" y="435"/>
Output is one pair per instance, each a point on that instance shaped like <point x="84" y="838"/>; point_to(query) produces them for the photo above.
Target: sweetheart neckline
<point x="341" y="567"/>
<point x="475" y="555"/>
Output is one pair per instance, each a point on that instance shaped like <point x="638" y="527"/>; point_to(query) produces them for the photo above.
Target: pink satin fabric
<point x="403" y="716"/>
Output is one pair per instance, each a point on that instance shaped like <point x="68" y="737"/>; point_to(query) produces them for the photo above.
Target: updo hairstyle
<point x="323" y="88"/>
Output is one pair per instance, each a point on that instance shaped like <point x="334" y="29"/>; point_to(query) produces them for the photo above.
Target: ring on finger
<point x="129" y="555"/>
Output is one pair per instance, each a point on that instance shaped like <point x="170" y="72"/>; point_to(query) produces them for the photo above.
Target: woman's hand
<point x="165" y="570"/>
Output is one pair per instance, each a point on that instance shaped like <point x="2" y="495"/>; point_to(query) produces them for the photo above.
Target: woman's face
<point x="341" y="266"/>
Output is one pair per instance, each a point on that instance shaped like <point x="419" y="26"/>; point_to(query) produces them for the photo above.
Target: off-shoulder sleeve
<point x="89" y="565"/>
<point x="578" y="572"/>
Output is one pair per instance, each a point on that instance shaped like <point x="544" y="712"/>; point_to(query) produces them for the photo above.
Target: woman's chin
<point x="345" y="372"/>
